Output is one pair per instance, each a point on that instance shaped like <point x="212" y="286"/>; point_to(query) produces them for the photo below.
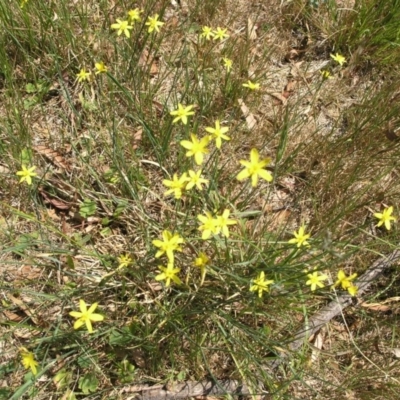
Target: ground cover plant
<point x="184" y="184"/>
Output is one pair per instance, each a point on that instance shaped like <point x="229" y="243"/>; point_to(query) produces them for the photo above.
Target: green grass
<point x="102" y="149"/>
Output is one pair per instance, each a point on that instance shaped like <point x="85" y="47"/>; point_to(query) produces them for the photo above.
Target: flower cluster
<point x="215" y="34"/>
<point x="126" y="25"/>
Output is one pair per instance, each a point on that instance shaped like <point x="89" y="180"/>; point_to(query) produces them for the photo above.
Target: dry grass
<point x="111" y="142"/>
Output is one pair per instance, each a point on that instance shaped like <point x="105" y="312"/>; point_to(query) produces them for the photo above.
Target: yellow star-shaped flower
<point x="315" y="279"/>
<point x="218" y="134"/>
<point x="168" y="274"/>
<point x="100" y="68"/>
<point x="154" y="24"/>
<point x="255" y="168"/>
<point x="207" y="32"/>
<point x="223" y="222"/>
<point x="176" y="186"/>
<point x="385" y="217"/>
<point x="344" y="280"/>
<point x="182" y="113"/>
<point x="134" y="15"/>
<point x="209" y="225"/>
<point x="26" y="174"/>
<point x="86" y="316"/>
<point x="83" y="75"/>
<point x="169" y="244"/>
<point x="227" y="64"/>
<point x="195" y="179"/>
<point x="300" y="237"/>
<point x="251" y="85"/>
<point x="196" y="148"/>
<point x="220" y="34"/>
<point x="28" y="360"/>
<point x="122" y="27"/>
<point x="338" y="58"/>
<point x="260" y="284"/>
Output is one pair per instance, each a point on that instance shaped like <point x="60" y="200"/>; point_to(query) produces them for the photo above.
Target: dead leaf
<point x="13" y="317"/>
<point x="396" y="352"/>
<point x="137" y="138"/>
<point x="289" y="89"/>
<point x="56" y="203"/>
<point x="251" y="122"/>
<point x="318" y="343"/>
<point x="280" y="218"/>
<point x="279" y="98"/>
<point x="4" y="170"/>
<point x="291" y="55"/>
<point x="375" y="307"/>
<point x="53" y="156"/>
<point x="145" y="60"/>
<point x="251" y="30"/>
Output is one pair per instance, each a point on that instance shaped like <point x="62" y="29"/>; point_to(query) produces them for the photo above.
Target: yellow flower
<point x="83" y="75"/>
<point x="223" y="222"/>
<point x="124" y="261"/>
<point x="209" y="225"/>
<point x="201" y="262"/>
<point x="182" y="113"/>
<point x="85" y="316"/>
<point x="252" y="85"/>
<point x="23" y="2"/>
<point x="134" y="15"/>
<point x="315" y="279"/>
<point x="254" y="168"/>
<point x="168" y="274"/>
<point x="339" y="59"/>
<point x="260" y="284"/>
<point x="153" y="23"/>
<point x="227" y="64"/>
<point x="207" y="32"/>
<point x="353" y="290"/>
<point x="28" y="360"/>
<point x="168" y="245"/>
<point x="343" y="280"/>
<point x="195" y="179"/>
<point x="218" y="134"/>
<point x="220" y="34"/>
<point x="100" y="67"/>
<point x="325" y="74"/>
<point x="177" y="185"/>
<point x="26" y="174"/>
<point x="300" y="237"/>
<point x="385" y="217"/>
<point x="123" y="27"/>
<point x="196" y="147"/>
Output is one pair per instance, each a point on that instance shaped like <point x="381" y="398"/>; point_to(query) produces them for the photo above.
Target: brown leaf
<point x="291" y="55"/>
<point x="145" y="60"/>
<point x="137" y="138"/>
<point x="251" y="122"/>
<point x="375" y="306"/>
<point x="53" y="156"/>
<point x="251" y="30"/>
<point x="289" y="89"/>
<point x="13" y="317"/>
<point x="279" y="98"/>
<point x="59" y="204"/>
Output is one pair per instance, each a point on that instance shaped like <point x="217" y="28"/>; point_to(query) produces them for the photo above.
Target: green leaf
<point x="62" y="378"/>
<point x="30" y="88"/>
<point x="87" y="208"/>
<point x="121" y="207"/>
<point x="88" y="383"/>
<point x="120" y="337"/>
<point x="26" y="157"/>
